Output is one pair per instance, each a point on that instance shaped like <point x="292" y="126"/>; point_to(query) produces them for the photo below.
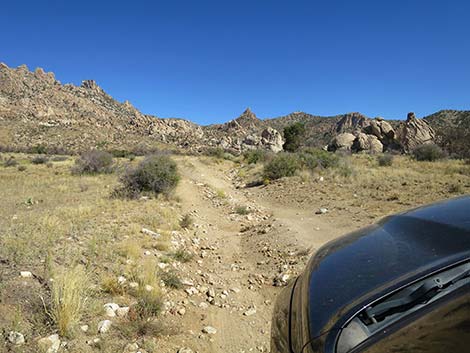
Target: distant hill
<point x="36" y="109"/>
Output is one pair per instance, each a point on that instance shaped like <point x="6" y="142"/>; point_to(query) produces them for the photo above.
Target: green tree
<point x="293" y="135"/>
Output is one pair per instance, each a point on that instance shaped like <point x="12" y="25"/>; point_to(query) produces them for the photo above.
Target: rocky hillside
<point x="37" y="110"/>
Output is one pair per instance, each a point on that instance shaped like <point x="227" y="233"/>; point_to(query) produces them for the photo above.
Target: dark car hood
<point x="368" y="261"/>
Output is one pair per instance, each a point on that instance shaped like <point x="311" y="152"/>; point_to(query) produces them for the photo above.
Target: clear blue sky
<point x="208" y="60"/>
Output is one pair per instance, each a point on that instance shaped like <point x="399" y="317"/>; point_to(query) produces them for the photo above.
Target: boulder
<point x="414" y="132"/>
<point x="272" y="139"/>
<point x="341" y="142"/>
<point x="367" y="143"/>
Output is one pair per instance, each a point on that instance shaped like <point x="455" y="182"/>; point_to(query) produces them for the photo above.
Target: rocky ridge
<point x="37" y="109"/>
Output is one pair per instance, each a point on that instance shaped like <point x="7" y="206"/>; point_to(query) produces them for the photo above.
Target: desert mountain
<point x="36" y="109"/>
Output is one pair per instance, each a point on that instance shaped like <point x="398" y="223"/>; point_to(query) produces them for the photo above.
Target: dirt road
<point x="244" y="243"/>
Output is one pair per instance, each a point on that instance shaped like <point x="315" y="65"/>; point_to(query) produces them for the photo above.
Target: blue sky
<point x="209" y="60"/>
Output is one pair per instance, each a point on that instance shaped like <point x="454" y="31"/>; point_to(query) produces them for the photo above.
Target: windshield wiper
<point x="412" y="297"/>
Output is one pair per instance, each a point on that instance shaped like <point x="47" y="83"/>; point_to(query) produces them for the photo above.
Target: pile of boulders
<point x="379" y="136"/>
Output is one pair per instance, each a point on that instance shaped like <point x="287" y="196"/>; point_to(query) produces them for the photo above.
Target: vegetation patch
<point x="282" y="165"/>
<point x="428" y="152"/>
<point x="156" y="174"/>
<point x="93" y="162"/>
<point x="385" y="160"/>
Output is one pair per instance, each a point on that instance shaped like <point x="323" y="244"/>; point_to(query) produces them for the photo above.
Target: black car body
<point x="401" y="285"/>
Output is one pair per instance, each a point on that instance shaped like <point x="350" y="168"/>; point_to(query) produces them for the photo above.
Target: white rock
<point x="26" y="274"/>
<point x="49" y="344"/>
<point x="104" y="326"/>
<point x="187" y="282"/>
<point x="322" y="210"/>
<point x="162" y="265"/>
<point x="250" y="312"/>
<point x="203" y="305"/>
<point x="181" y="311"/>
<point x="109" y="312"/>
<point x="133" y="285"/>
<point x="122" y="279"/>
<point x="15" y="337"/>
<point x="147" y="253"/>
<point x="191" y="291"/>
<point x="151" y="233"/>
<point x="84" y="328"/>
<point x="148" y="288"/>
<point x="122" y="311"/>
<point x="209" y="330"/>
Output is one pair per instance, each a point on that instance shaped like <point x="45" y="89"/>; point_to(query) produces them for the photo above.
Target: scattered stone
<point x="148" y="288"/>
<point x="133" y="285"/>
<point x="250" y="312"/>
<point x="131" y="348"/>
<point x="281" y="279"/>
<point x="26" y="274"/>
<point x="322" y="210"/>
<point x="209" y="330"/>
<point x="49" y="344"/>
<point x="121" y="280"/>
<point x="122" y="311"/>
<point x="104" y="326"/>
<point x="151" y="233"/>
<point x="84" y="328"/>
<point x="16" y="338"/>
<point x="191" y="291"/>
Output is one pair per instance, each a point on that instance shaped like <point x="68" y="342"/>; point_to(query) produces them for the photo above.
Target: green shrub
<point x="293" y="136"/>
<point x="242" y="210"/>
<point x="40" y="160"/>
<point x="282" y="165"/>
<point x="312" y="158"/>
<point x="157" y="174"/>
<point x="182" y="255"/>
<point x="120" y="153"/>
<point x="255" y="156"/>
<point x="428" y="152"/>
<point x="21" y="168"/>
<point x="93" y="162"/>
<point x="38" y="149"/>
<point x="385" y="160"/>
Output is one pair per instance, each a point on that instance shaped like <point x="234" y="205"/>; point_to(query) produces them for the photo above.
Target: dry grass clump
<point x="385" y="160"/>
<point x="68" y="297"/>
<point x="242" y="210"/>
<point x="182" y="255"/>
<point x="186" y="221"/>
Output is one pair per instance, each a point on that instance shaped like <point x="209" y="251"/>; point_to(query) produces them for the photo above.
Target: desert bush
<point x="242" y="210"/>
<point x="216" y="152"/>
<point x="111" y="285"/>
<point x="345" y="168"/>
<point x="428" y="152"/>
<point x="120" y="153"/>
<point x="40" y="160"/>
<point x="49" y="165"/>
<point x="93" y="162"/>
<point x="21" y="168"/>
<point x="38" y="149"/>
<point x="293" y="136"/>
<point x="10" y="162"/>
<point x="68" y="296"/>
<point x="312" y="158"/>
<point x="186" y="221"/>
<point x="256" y="156"/>
<point x="142" y="327"/>
<point x="157" y="174"/>
<point x="282" y="165"/>
<point x="182" y="255"/>
<point x="385" y="160"/>
<point x="171" y="279"/>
